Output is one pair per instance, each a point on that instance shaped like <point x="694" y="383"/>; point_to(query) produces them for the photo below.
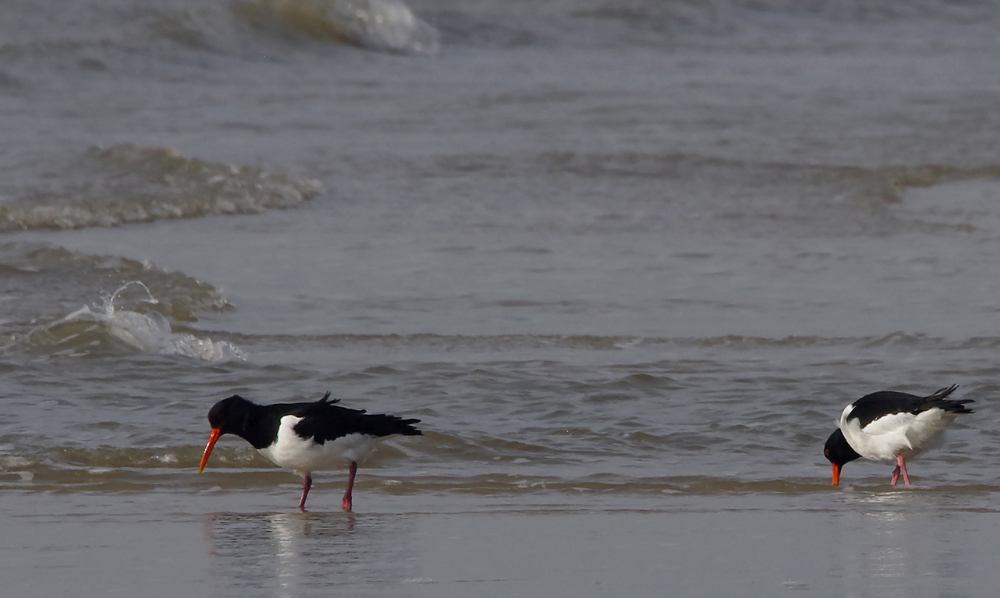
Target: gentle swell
<point x="127" y="184"/>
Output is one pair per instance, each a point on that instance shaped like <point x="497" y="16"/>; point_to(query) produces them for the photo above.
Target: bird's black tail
<point x="387" y="425"/>
<point x="938" y="399"/>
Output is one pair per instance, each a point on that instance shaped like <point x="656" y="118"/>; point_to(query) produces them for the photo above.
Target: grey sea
<point x="627" y="261"/>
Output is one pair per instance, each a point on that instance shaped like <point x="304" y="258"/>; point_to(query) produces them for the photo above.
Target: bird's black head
<point x="838" y="452"/>
<point x="230" y="415"/>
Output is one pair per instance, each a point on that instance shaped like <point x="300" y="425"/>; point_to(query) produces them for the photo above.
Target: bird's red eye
<point x="826" y="452"/>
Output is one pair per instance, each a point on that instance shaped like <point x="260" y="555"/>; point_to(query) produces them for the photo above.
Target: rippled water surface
<point x="626" y="262"/>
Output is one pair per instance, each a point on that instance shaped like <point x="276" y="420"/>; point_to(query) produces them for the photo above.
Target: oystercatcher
<point x="305" y="437"/>
<point x="891" y="427"/>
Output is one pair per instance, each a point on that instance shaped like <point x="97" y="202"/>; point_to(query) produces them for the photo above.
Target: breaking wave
<point x="146" y="331"/>
<point x="42" y="288"/>
<point x="381" y="25"/>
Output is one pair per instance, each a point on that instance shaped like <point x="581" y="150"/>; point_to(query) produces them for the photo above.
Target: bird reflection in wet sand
<point x="295" y="554"/>
<point x="891" y="427"/>
<point x="305" y="437"/>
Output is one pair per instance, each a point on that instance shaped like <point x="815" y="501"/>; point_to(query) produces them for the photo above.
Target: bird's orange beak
<point x="216" y="432"/>
<point x="836" y="473"/>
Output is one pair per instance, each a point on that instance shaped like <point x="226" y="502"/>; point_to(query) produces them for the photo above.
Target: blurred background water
<point x="613" y="254"/>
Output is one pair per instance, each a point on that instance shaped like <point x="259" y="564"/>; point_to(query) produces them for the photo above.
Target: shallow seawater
<point x="626" y="263"/>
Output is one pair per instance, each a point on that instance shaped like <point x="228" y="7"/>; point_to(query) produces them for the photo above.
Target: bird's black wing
<point x="878" y="404"/>
<point x="324" y="421"/>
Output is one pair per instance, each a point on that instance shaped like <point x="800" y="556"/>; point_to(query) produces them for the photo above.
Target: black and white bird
<point x="305" y="437"/>
<point x="891" y="427"/>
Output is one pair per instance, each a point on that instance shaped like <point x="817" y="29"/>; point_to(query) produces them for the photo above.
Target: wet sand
<point x="842" y="543"/>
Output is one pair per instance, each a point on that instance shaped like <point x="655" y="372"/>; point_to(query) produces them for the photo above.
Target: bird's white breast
<point x="304" y="455"/>
<point x="896" y="433"/>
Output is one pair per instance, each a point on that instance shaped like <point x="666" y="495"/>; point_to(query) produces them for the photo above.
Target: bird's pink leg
<point x="895" y="476"/>
<point x="305" y="492"/>
<point x="346" y="503"/>
<point x="901" y="465"/>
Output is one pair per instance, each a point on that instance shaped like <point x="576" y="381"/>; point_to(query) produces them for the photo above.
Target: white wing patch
<point x="304" y="456"/>
<point x="889" y="424"/>
<point x="896" y="433"/>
